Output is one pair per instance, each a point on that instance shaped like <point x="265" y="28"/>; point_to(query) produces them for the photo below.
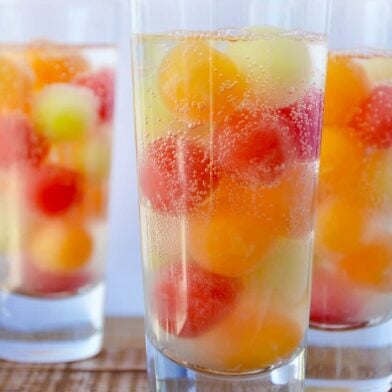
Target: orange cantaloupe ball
<point x="340" y="226"/>
<point x="16" y="85"/>
<point x="54" y="63"/>
<point x="251" y="338"/>
<point x="370" y="265"/>
<point x="346" y="87"/>
<point x="340" y="162"/>
<point x="198" y="83"/>
<point x="61" y="247"/>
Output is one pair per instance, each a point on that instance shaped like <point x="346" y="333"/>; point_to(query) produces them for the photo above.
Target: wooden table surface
<point x="121" y="366"/>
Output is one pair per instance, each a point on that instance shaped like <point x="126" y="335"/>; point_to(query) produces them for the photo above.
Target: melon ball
<point x="93" y="158"/>
<point x="65" y="113"/>
<point x="278" y="66"/>
<point x="370" y="265"/>
<point x="19" y="143"/>
<point x="346" y="88"/>
<point x="54" y="190"/>
<point x="229" y="244"/>
<point x="61" y="247"/>
<point x="377" y="179"/>
<point x="251" y="338"/>
<point x="378" y="69"/>
<point x="285" y="270"/>
<point x="53" y="63"/>
<point x="340" y="162"/>
<point x="102" y="84"/>
<point x="341" y="225"/>
<point x="198" y="83"/>
<point x="16" y="84"/>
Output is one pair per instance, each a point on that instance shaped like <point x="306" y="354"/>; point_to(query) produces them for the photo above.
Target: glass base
<point x="344" y="361"/>
<point x="382" y="385"/>
<point x="37" y="330"/>
<point x="164" y="375"/>
<point x="352" y="326"/>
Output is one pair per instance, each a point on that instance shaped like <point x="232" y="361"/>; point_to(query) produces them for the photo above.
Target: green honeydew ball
<point x="277" y="65"/>
<point x="64" y="113"/>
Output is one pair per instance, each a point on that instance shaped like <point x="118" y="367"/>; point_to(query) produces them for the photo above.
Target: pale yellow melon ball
<point x="277" y="65"/>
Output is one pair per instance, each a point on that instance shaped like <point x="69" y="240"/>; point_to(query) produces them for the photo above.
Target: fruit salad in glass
<point x="228" y="129"/>
<point x="56" y="112"/>
<point x="353" y="249"/>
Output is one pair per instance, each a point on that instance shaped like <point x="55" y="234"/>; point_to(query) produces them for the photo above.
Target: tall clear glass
<point x="352" y="287"/>
<point x="228" y="102"/>
<point x="57" y="87"/>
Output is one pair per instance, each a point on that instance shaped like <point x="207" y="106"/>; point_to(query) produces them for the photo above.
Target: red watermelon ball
<point x="253" y="147"/>
<point x="373" y="120"/>
<point x="102" y="84"/>
<point x="188" y="300"/>
<point x="19" y="143"/>
<point x="53" y="190"/>
<point x="305" y="119"/>
<point x="177" y="174"/>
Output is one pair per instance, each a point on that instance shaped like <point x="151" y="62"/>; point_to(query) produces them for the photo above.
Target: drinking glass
<point x="228" y="102"/>
<point x="352" y="282"/>
<point x="57" y="83"/>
